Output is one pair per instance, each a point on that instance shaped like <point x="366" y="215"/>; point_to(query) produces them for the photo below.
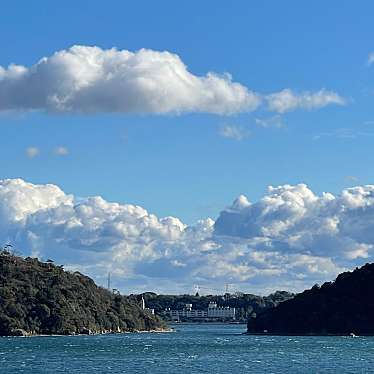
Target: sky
<point x="192" y="112"/>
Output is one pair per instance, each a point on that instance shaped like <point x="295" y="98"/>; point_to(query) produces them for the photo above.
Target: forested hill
<point x="41" y="298"/>
<point x="341" y="307"/>
<point x="245" y="304"/>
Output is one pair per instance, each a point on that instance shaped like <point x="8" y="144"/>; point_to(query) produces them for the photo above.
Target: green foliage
<point x="41" y="298"/>
<point x="341" y="307"/>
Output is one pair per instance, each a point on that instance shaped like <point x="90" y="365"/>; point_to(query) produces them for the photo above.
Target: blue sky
<point x="275" y="93"/>
<point x="180" y="165"/>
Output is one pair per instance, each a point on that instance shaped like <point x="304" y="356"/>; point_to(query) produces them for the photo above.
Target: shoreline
<point x="348" y="335"/>
<point x="205" y="323"/>
<point x="154" y="331"/>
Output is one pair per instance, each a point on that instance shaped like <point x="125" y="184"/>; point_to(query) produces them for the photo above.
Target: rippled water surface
<point x="191" y="349"/>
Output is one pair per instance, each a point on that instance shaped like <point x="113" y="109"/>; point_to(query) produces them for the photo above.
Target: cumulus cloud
<point x="234" y="132"/>
<point x="90" y="79"/>
<point x="61" y="151"/>
<point x="86" y="79"/>
<point x="32" y="152"/>
<point x="287" y="100"/>
<point x="297" y="220"/>
<point x="291" y="238"/>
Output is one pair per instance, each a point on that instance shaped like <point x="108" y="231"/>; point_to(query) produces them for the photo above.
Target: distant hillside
<point x="41" y="298"/>
<point x="245" y="304"/>
<point x="341" y="307"/>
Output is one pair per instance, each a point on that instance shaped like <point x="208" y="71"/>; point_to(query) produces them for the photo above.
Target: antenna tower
<point x="109" y="281"/>
<point x="197" y="288"/>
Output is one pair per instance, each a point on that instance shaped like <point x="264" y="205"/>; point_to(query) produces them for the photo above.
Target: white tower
<point x="143" y="303"/>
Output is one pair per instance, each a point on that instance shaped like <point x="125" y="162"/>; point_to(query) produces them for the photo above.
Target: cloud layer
<point x="289" y="239"/>
<point x="90" y="79"/>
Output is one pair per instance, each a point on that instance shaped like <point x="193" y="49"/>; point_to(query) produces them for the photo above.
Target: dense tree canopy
<point x="341" y="307"/>
<point x="42" y="298"/>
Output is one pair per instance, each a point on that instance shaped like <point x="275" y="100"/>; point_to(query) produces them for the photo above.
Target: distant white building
<point x="213" y="312"/>
<point x="223" y="312"/>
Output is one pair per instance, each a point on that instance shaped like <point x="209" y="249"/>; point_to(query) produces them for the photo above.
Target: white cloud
<point x="32" y="152"/>
<point x="287" y="100"/>
<point x="61" y="151"/>
<point x="352" y="178"/>
<point x="274" y="121"/>
<point x="297" y="220"/>
<point x="234" y="132"/>
<point x="291" y="238"/>
<point x="85" y="79"/>
<point x="90" y="79"/>
<point x="371" y="58"/>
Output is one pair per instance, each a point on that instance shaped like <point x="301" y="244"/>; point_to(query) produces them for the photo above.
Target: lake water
<point x="209" y="348"/>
